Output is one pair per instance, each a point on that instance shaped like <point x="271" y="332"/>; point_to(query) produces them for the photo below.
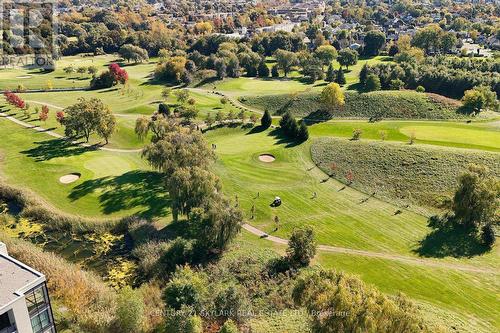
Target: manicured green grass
<point x="111" y="184"/>
<point x="460" y="136"/>
<point x="124" y="136"/>
<point x="469" y="299"/>
<point x="338" y="214"/>
<point x="32" y="78"/>
<point x="476" y="135"/>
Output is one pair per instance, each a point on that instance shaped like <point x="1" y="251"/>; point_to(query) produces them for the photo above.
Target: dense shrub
<point x="130" y="310"/>
<point x="440" y="75"/>
<point x="327" y="295"/>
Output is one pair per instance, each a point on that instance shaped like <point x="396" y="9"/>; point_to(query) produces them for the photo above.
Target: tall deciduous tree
<point x="476" y="200"/>
<point x="301" y="247"/>
<point x="326" y="54"/>
<point x="184" y="159"/>
<point x="286" y="60"/>
<point x="347" y="57"/>
<point x="107" y="124"/>
<point x="133" y="53"/>
<point x="327" y="294"/>
<point x="87" y="117"/>
<point x="374" y="41"/>
<point x="332" y="96"/>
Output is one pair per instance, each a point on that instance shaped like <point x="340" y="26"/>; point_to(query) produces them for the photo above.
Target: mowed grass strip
<point x="476" y="135"/>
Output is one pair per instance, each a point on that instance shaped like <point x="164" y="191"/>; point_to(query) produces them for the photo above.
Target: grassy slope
<point x="337" y="216"/>
<point x="415" y="174"/>
<point x="382" y="104"/>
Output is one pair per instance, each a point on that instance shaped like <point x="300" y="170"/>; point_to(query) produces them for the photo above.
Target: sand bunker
<point x="71" y="178"/>
<point x="267" y="158"/>
<point x="24" y="77"/>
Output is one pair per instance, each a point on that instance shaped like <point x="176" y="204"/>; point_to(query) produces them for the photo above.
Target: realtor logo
<point x="28" y="34"/>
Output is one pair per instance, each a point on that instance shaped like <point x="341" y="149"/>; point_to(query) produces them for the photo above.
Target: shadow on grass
<point x="318" y="116"/>
<point x="134" y="189"/>
<point x="357" y="87"/>
<point x="283" y="139"/>
<point x="449" y="241"/>
<point x="47" y="150"/>
<point x="256" y="130"/>
<point x="206" y="81"/>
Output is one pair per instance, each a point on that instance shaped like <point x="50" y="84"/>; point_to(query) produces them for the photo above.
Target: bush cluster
<point x="438" y="74"/>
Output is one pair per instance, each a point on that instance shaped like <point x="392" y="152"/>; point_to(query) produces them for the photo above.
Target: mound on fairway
<point x="409" y="174"/>
<point x="267" y="158"/>
<point x="71" y="178"/>
<point x="378" y="104"/>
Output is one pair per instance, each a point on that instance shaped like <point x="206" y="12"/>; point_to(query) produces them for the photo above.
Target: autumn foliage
<point x="44" y="114"/>
<point x="119" y="74"/>
<point x="14" y="100"/>
<point x="60" y="117"/>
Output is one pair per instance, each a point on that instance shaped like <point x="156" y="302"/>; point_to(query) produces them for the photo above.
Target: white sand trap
<point x="71" y="178"/>
<point x="267" y="158"/>
<point x="24" y="77"/>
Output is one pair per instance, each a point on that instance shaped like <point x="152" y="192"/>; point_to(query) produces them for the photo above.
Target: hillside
<point x="411" y="174"/>
<point x="378" y="104"/>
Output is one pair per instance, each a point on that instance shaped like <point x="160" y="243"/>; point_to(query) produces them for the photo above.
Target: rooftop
<point x="15" y="278"/>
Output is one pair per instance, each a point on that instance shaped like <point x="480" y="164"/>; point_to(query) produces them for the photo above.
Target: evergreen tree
<point x="263" y="70"/>
<point x="275" y="72"/>
<point x="303" y="132"/>
<point x="164" y="110"/>
<point x="289" y="125"/>
<point x="330" y="74"/>
<point x="372" y="83"/>
<point x="340" y="77"/>
<point x="363" y="74"/>
<point x="266" y="120"/>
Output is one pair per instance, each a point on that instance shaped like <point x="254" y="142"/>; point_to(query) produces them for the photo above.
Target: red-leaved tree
<point x="14" y="100"/>
<point x="44" y="114"/>
<point x="60" y="117"/>
<point x="349" y="177"/>
<point x="119" y="74"/>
